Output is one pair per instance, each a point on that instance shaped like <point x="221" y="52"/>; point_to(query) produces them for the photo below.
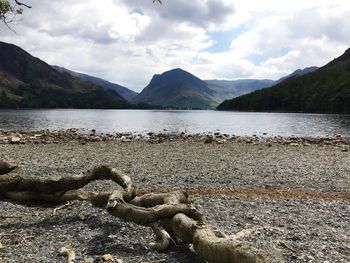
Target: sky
<point x="128" y="41"/>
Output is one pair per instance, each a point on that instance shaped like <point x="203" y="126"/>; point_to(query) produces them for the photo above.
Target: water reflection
<point x="240" y="123"/>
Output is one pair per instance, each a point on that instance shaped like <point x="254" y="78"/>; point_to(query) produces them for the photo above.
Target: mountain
<point x="28" y="82"/>
<point x="298" y="72"/>
<point x="228" y="89"/>
<point x="340" y="60"/>
<point x="178" y="88"/>
<point x="326" y="90"/>
<point x="121" y="90"/>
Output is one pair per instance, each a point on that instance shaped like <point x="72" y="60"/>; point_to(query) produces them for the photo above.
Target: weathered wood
<point x="212" y="248"/>
<point x="153" y="199"/>
<point x="6" y="167"/>
<point x="13" y="182"/>
<point x="160" y="211"/>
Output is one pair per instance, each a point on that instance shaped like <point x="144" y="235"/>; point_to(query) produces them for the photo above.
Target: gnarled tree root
<point x="160" y="211"/>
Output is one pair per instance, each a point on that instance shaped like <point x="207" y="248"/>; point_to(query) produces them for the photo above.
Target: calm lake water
<point x="142" y="121"/>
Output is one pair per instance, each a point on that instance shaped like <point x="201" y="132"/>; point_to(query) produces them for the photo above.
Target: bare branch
<point x="19" y="3"/>
<point x="171" y="211"/>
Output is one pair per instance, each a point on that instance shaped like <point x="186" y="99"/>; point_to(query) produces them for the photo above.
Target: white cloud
<point x="287" y="40"/>
<point x="127" y="41"/>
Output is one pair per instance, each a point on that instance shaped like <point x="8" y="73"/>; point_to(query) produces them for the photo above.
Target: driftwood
<point x="164" y="212"/>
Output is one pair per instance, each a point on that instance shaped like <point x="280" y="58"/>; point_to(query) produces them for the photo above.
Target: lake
<point x="142" y="121"/>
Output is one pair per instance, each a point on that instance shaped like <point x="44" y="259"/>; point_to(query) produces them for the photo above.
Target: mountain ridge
<point x="28" y="82"/>
<point x="121" y="90"/>
<point x="326" y="90"/>
<point x="296" y="73"/>
<point x="227" y="89"/>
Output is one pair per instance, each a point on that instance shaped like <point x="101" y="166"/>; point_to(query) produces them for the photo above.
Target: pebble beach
<point x="293" y="192"/>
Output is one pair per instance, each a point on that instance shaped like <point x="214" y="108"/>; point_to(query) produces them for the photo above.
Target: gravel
<point x="301" y="229"/>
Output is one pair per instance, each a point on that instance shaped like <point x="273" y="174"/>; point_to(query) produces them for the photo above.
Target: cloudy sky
<point x="127" y="41"/>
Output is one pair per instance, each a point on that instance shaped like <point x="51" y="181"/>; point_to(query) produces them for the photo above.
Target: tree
<point x="9" y="11"/>
<point x="170" y="215"/>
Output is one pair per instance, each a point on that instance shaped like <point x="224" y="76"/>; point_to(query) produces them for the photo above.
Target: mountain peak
<point x="177" y="72"/>
<point x="177" y="88"/>
<point x="298" y="72"/>
<point x="339" y="60"/>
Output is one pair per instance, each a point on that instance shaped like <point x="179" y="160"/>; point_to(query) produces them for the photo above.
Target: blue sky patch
<point x="222" y="40"/>
<point x="259" y="58"/>
<point x="137" y="10"/>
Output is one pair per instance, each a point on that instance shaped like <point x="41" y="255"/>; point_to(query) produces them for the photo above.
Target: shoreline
<point x="74" y="134"/>
<point x="297" y="198"/>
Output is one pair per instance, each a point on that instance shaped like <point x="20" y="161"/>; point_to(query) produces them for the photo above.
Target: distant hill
<point x="123" y="91"/>
<point x="228" y="89"/>
<point x="298" y="72"/>
<point x="28" y="82"/>
<point x="326" y="90"/>
<point x="178" y="88"/>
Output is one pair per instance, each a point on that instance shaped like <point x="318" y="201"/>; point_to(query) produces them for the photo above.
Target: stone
<point x="294" y="144"/>
<point x="125" y="139"/>
<point x="15" y="139"/>
<point x="208" y="139"/>
<point x="222" y="141"/>
<point x="97" y="139"/>
<point x="108" y="258"/>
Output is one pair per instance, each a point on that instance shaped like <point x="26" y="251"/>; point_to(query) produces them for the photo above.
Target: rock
<point x="222" y="141"/>
<point x="108" y="257"/>
<point x="248" y="140"/>
<point x="125" y="139"/>
<point x="14" y="139"/>
<point x="294" y="144"/>
<point x="97" y="139"/>
<point x="208" y="139"/>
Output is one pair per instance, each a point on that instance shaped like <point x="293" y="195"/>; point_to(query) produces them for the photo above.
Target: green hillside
<point x="28" y="82"/>
<point x="326" y="90"/>
<point x="178" y="89"/>
<point x="121" y="90"/>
